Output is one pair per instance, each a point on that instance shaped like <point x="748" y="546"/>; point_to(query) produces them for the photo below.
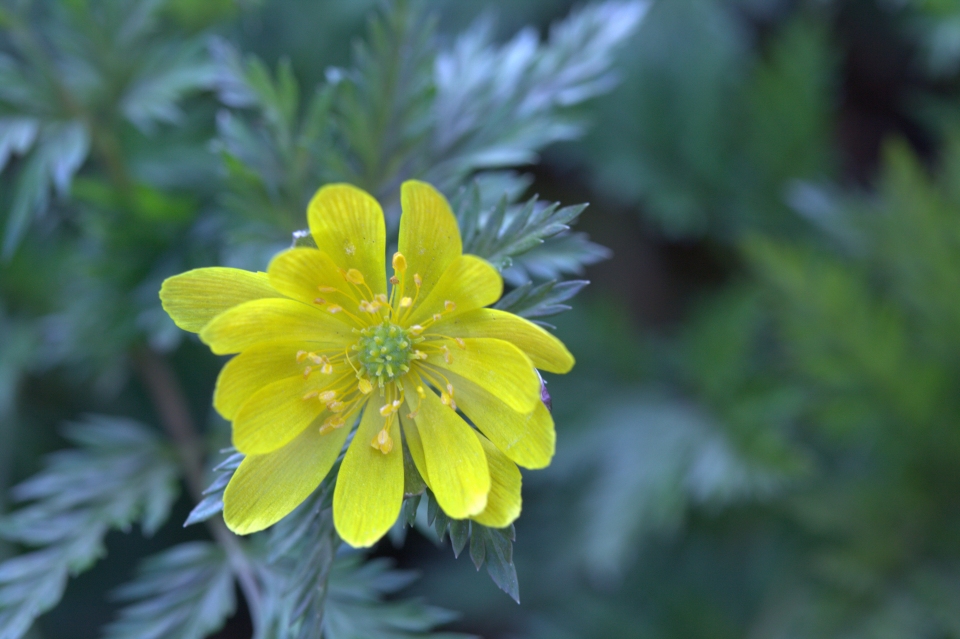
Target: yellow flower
<point x="322" y="340"/>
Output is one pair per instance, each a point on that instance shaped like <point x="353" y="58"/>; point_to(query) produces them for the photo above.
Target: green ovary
<point x="385" y="351"/>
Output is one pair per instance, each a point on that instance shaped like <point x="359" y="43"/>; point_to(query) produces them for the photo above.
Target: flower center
<point x="385" y="351"/>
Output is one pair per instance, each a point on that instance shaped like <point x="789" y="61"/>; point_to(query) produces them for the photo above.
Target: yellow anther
<point x="449" y="306"/>
<point x="405" y="302"/>
<point x="334" y="308"/>
<point x="335" y="406"/>
<point x="316" y="359"/>
<point x="369" y="307"/>
<point x="389" y="409"/>
<point x="394" y="280"/>
<point x="415" y="330"/>
<point x="437" y="317"/>
<point x="306" y="372"/>
<point x="413" y="415"/>
<point x="447" y="357"/>
<point x="462" y="344"/>
<point x="327" y="368"/>
<point x="399" y="262"/>
<point x="383" y="442"/>
<point x="328" y="396"/>
<point x="365" y="386"/>
<point x="448" y="401"/>
<point x="319" y="300"/>
<point x="310" y="395"/>
<point x="382" y="299"/>
<point x="421" y="392"/>
<point x="326" y="289"/>
<point x="417" y="280"/>
<point x="334" y="421"/>
<point x="450" y="389"/>
<point x="354" y="276"/>
<point x="419" y="355"/>
<point x="301" y="355"/>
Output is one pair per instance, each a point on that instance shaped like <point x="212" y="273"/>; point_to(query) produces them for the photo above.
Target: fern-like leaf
<point x="120" y="473"/>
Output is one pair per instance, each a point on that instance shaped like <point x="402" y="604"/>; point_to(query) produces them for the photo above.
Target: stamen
<point x="448" y="400"/>
<point x="460" y="343"/>
<point x="328" y="396"/>
<point x="449" y="306"/>
<point x="447" y="357"/>
<point x="394" y="280"/>
<point x="399" y="262"/>
<point x="417" y="280"/>
<point x="335" y="406"/>
<point x="326" y="289"/>
<point x="354" y="276"/>
<point x="306" y="372"/>
<point x="415" y="330"/>
<point x="319" y="300"/>
<point x="334" y="308"/>
<point x="310" y="395"/>
<point x="405" y="302"/>
<point x="332" y="422"/>
<point x="301" y="355"/>
<point x="365" y="386"/>
<point x="383" y="442"/>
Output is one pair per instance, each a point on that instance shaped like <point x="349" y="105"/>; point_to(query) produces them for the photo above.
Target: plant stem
<point x="171" y="404"/>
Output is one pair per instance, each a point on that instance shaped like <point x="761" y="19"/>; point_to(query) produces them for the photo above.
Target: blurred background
<point x="761" y="437"/>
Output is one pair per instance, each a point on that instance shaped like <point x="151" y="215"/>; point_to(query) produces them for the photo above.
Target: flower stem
<point x="168" y="398"/>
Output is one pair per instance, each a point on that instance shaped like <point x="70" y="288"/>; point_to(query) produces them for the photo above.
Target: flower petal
<point x="544" y="350"/>
<point x="469" y="282"/>
<point x="493" y="364"/>
<point x="271" y="320"/>
<point x="194" y="298"/>
<point x="266" y="488"/>
<point x="369" y="492"/>
<point x="429" y="235"/>
<point x="504" y="500"/>
<point x="306" y="274"/>
<point x="529" y="438"/>
<point x="347" y="224"/>
<point x="456" y="465"/>
<point x="253" y="369"/>
<point x="273" y="416"/>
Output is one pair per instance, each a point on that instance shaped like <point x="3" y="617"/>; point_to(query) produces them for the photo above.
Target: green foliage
<point x="713" y="137"/>
<point x="185" y="592"/>
<point x="530" y="240"/>
<point x="490" y="546"/>
<point x="121" y="473"/>
<point x="302" y="550"/>
<point x="356" y="606"/>
<point x="53" y="81"/>
<point x="212" y="502"/>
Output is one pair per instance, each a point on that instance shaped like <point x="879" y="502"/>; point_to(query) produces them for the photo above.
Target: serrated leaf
<point x="119" y="473"/>
<point x="212" y="502"/>
<point x="186" y="592"/>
